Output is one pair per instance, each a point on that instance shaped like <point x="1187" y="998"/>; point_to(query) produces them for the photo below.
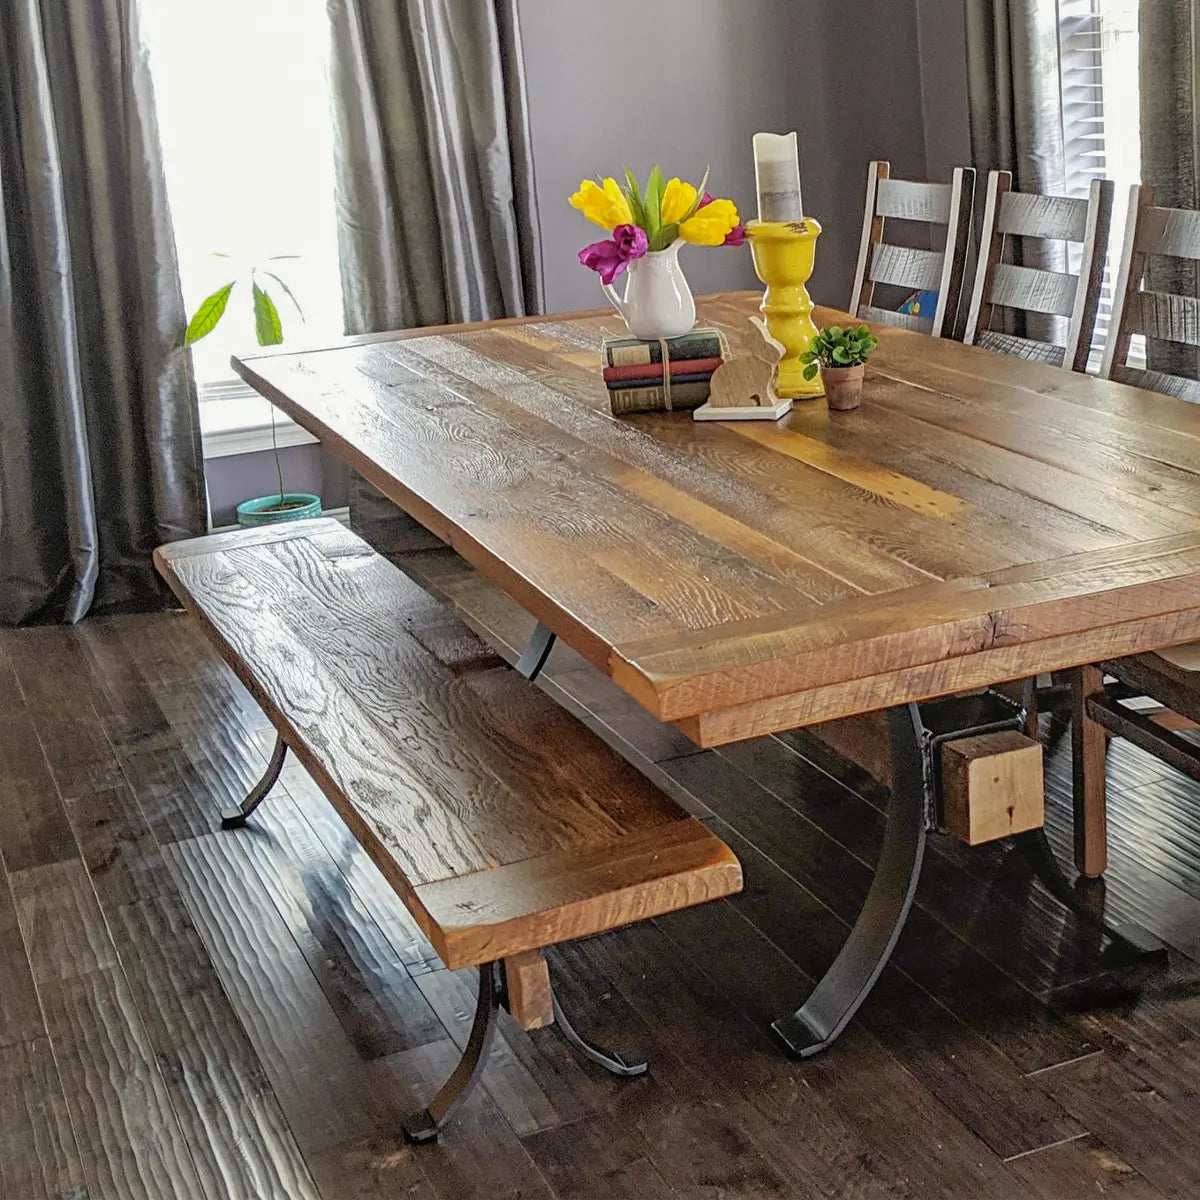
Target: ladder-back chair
<point x="1003" y="285"/>
<point x="941" y="271"/>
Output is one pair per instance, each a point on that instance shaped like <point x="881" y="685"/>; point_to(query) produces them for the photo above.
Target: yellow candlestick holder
<point x="783" y="258"/>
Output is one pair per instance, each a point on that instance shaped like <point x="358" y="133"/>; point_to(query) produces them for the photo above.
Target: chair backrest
<point x="1000" y="284"/>
<point x="1162" y="316"/>
<point x="942" y="270"/>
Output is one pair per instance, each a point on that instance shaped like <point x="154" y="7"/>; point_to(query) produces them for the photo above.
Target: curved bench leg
<point x="849" y="981"/>
<point x="235" y="818"/>
<point x="427" y="1124"/>
<point x="603" y="1058"/>
<point x="533" y="657"/>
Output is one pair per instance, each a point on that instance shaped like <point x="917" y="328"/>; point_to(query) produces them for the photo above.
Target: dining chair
<point x="1110" y="697"/>
<point x="940" y="271"/>
<point x="1004" y="285"/>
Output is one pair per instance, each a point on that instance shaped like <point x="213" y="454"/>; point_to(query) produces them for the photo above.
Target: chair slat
<point x="1061" y="218"/>
<point x="1157" y="381"/>
<point x="1019" y="347"/>
<point x="907" y="267"/>
<point x="908" y="200"/>
<point x="1172" y="231"/>
<point x="885" y="316"/>
<point x="1163" y="315"/>
<point x="1033" y="289"/>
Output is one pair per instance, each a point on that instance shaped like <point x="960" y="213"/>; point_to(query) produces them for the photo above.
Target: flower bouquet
<point x="648" y="225"/>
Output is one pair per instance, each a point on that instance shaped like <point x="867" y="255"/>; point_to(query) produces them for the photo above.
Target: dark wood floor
<point x="186" y="1013"/>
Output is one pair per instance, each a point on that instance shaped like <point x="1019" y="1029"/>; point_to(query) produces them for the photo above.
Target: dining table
<point x="980" y="519"/>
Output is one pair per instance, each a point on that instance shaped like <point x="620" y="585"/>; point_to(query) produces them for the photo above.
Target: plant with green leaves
<point x="837" y="347"/>
<point x="268" y="324"/>
<point x="262" y="281"/>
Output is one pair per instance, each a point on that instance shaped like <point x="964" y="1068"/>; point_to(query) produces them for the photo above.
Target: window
<point x="243" y="109"/>
<point x="1098" y="62"/>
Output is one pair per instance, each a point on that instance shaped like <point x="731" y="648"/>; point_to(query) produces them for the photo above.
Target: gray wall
<point x="688" y="83"/>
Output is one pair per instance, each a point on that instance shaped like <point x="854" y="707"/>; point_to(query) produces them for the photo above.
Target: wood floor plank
<point x="39" y="1159"/>
<point x="1081" y="1167"/>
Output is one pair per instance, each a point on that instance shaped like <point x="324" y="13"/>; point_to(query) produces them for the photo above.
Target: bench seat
<point x="503" y="822"/>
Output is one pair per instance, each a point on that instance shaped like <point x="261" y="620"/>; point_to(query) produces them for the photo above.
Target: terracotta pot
<point x="843" y="387"/>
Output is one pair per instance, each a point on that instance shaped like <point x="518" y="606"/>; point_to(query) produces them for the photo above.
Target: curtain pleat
<point x="100" y="456"/>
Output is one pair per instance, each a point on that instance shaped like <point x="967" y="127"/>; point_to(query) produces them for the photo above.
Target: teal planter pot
<point x="266" y="510"/>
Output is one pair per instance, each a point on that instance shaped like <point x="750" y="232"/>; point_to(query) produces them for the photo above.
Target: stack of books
<point x="634" y="371"/>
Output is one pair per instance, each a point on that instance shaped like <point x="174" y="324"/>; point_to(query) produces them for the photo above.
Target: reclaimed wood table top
<point x="979" y="519"/>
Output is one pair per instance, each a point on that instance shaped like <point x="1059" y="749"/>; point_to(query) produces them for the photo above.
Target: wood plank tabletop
<point x="980" y="518"/>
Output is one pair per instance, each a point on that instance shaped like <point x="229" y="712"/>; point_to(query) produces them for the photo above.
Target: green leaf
<point x="267" y="325"/>
<point x="633" y="194"/>
<point x="652" y="202"/>
<point x="841" y="356"/>
<point x="210" y="312"/>
<point x="810" y="372"/>
<point x="287" y="291"/>
<point x="691" y="212"/>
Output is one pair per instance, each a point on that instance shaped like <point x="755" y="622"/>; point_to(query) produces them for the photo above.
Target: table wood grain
<point x="980" y="518"/>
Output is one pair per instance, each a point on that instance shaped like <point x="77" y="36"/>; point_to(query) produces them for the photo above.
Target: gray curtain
<point x="437" y="217"/>
<point x="1016" y="117"/>
<point x="436" y="209"/>
<point x="99" y="444"/>
<point x="1167" y="39"/>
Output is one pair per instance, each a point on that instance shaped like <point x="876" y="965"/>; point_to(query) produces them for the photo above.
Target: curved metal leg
<point x="533" y="657"/>
<point x="235" y="818"/>
<point x="850" y="979"/>
<point x="1129" y="939"/>
<point x="430" y="1121"/>
<point x="610" y="1062"/>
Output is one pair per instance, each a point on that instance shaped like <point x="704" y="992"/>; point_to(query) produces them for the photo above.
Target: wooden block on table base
<point x="527" y="979"/>
<point x="742" y="388"/>
<point x="992" y="786"/>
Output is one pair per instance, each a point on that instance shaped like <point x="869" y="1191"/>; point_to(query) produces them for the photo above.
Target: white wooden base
<point x="765" y="412"/>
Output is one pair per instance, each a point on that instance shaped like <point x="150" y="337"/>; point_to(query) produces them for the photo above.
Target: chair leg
<point x="430" y="1121"/>
<point x="235" y="818"/>
<point x="1089" y="756"/>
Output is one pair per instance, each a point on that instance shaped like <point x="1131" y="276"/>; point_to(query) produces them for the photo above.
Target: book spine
<point x="677" y="381"/>
<point x="653" y="399"/>
<point x="624" y="352"/>
<point x="652" y="372"/>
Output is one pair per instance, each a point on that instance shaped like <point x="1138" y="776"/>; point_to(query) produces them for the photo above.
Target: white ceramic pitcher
<point x="657" y="302"/>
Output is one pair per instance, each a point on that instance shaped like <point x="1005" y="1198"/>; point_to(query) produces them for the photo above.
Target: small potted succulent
<point x="840" y="355"/>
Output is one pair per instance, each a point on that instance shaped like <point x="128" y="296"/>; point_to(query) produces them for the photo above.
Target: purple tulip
<point x="609" y="258"/>
<point x="736" y="236"/>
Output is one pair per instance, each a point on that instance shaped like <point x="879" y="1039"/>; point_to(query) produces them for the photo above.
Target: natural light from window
<point x="243" y="107"/>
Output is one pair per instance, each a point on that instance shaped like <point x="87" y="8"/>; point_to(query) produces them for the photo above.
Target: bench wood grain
<point x="502" y="821"/>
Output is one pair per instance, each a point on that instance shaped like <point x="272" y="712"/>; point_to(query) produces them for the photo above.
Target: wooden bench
<point x="504" y="824"/>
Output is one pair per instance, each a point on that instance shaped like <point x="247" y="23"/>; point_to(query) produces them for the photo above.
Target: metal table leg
<point x="850" y="979"/>
<point x="533" y="657"/>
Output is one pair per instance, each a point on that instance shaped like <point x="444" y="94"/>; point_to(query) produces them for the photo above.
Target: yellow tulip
<point x="677" y="200"/>
<point x="606" y="205"/>
<point x="709" y="225"/>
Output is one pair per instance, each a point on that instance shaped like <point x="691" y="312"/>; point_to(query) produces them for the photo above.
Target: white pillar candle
<point x="777" y="175"/>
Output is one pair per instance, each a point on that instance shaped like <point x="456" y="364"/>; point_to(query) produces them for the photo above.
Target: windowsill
<point x="235" y="419"/>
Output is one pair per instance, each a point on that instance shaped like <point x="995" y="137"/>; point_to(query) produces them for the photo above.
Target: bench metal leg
<point x="427" y="1124"/>
<point x="850" y="979"/>
<point x="533" y="657"/>
<point x="603" y="1058"/>
<point x="235" y="818"/>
